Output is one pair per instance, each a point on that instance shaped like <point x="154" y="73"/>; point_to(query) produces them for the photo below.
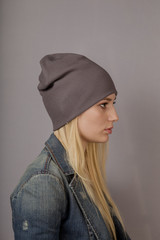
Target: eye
<point x="103" y="105"/>
<point x="114" y="102"/>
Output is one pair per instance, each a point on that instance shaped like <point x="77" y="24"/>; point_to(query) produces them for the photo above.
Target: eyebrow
<point x="109" y="99"/>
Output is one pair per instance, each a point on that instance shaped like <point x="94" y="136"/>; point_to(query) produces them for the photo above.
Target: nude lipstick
<point x="108" y="130"/>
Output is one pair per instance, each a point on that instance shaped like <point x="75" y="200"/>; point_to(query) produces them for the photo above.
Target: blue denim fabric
<point x="50" y="203"/>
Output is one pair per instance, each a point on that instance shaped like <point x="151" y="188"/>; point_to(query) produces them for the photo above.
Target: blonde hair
<point x="90" y="167"/>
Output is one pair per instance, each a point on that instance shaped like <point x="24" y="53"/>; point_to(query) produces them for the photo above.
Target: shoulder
<point x="41" y="171"/>
<point x="39" y="201"/>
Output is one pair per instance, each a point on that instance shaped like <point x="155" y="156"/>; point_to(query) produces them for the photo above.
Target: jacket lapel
<point x="89" y="210"/>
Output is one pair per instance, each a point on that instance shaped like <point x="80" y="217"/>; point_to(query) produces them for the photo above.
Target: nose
<point x="113" y="116"/>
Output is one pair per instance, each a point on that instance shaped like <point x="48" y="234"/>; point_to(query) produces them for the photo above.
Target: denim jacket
<point x="50" y="203"/>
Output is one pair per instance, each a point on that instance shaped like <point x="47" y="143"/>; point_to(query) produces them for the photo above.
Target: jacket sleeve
<point x="38" y="208"/>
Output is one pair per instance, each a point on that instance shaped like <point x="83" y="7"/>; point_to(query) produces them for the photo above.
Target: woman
<point x="63" y="193"/>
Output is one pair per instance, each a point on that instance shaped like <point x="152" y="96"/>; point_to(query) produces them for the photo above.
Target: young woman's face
<point x="94" y="122"/>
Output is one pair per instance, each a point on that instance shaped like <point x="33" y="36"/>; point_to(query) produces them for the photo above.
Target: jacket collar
<point x="58" y="153"/>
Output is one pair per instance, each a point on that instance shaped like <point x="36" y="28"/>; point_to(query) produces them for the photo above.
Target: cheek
<point x="90" y="122"/>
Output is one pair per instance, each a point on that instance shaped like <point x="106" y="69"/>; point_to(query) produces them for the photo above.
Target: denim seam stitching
<point x="85" y="214"/>
<point x="46" y="166"/>
<point x="36" y="174"/>
<point x="50" y="150"/>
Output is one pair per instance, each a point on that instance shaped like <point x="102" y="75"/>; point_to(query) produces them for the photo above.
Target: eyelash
<point x="106" y="104"/>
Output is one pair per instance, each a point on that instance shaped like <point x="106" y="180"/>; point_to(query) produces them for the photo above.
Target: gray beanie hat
<point x="69" y="84"/>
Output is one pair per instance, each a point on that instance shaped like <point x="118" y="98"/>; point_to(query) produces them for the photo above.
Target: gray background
<point x="124" y="37"/>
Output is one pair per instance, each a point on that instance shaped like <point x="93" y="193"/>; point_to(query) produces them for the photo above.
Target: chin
<point x="104" y="139"/>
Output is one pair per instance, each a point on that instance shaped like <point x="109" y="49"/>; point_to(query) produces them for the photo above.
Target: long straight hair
<point x="90" y="167"/>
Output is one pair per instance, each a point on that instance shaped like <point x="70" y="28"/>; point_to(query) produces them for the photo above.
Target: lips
<point x="109" y="130"/>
